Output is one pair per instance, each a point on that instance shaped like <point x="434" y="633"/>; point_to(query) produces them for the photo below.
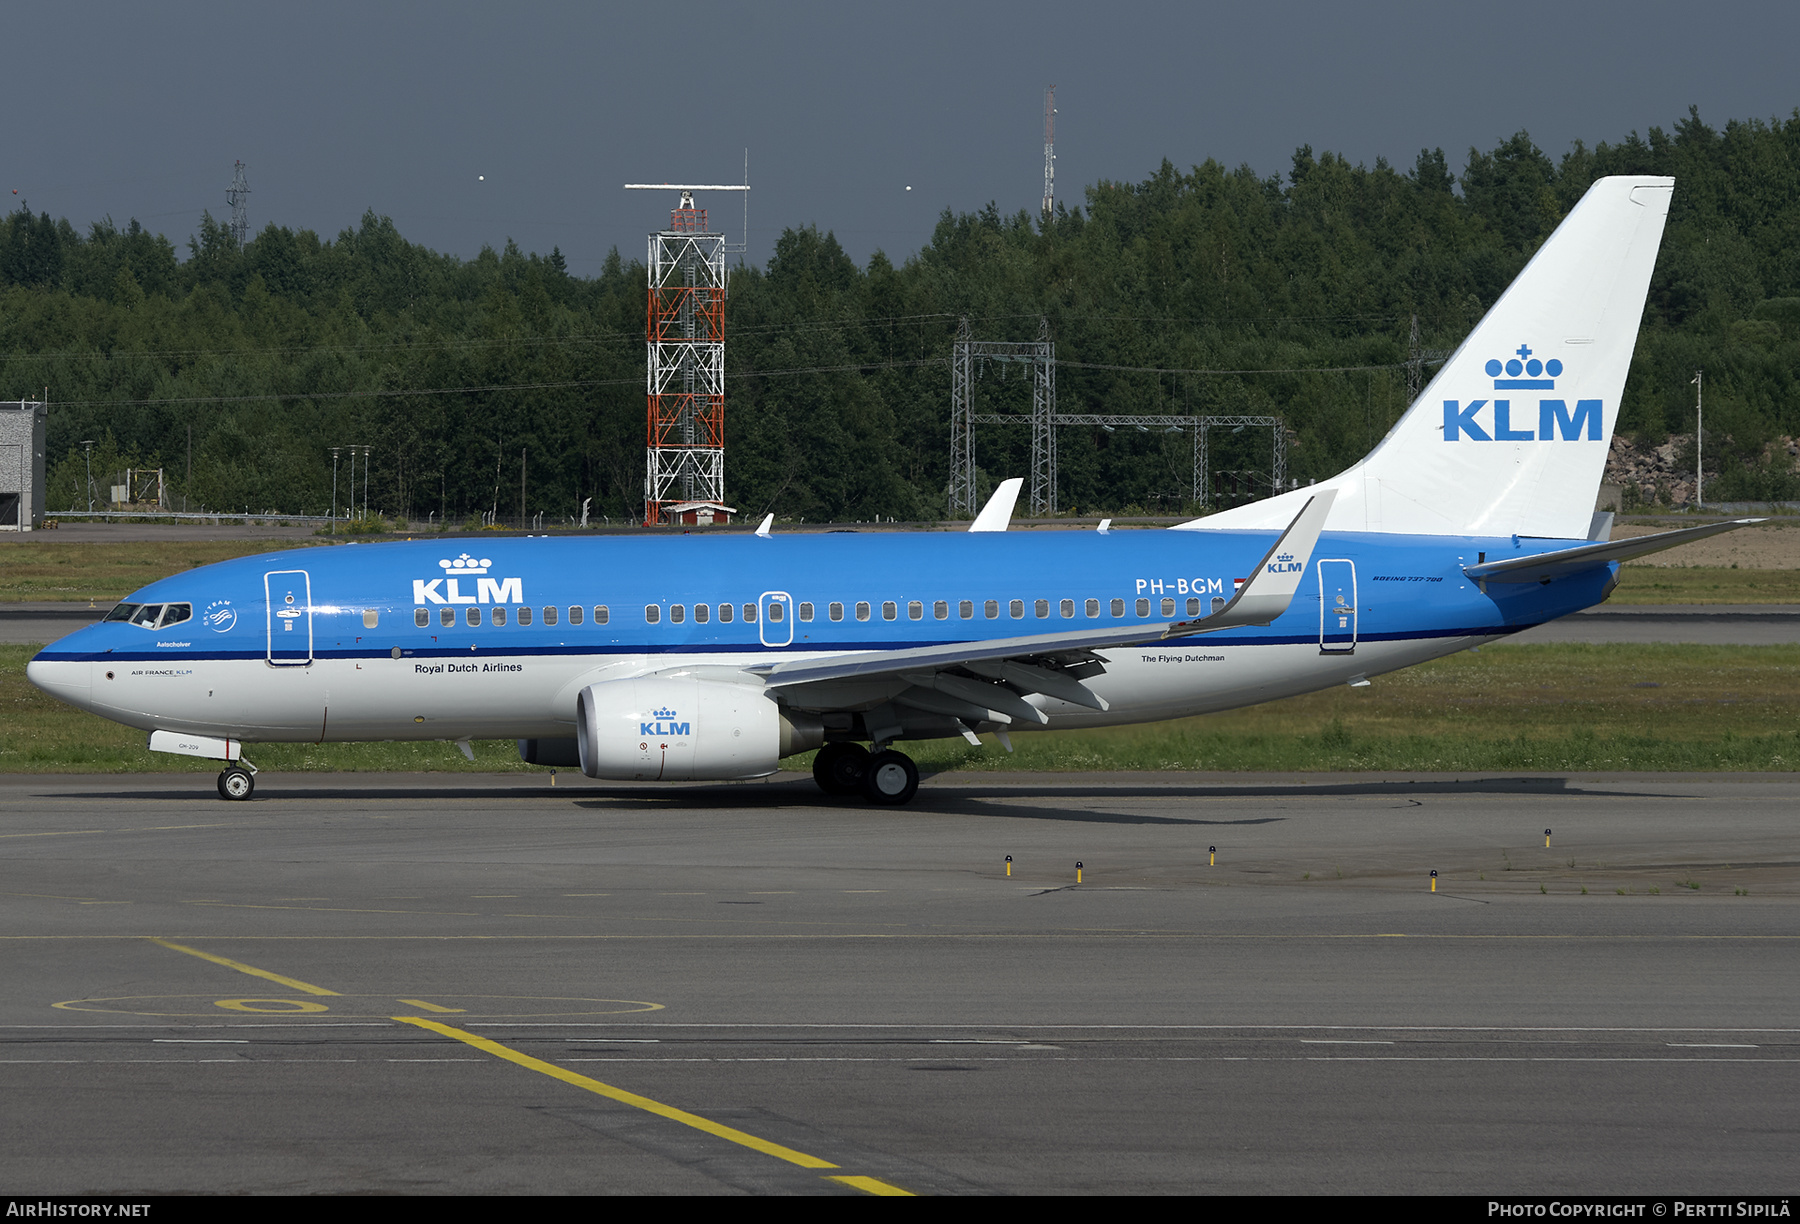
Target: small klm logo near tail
<point x="1523" y="372"/>
<point x="1283" y="564"/>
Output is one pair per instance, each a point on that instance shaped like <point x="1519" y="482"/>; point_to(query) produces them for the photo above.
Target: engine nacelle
<point x="684" y="729"/>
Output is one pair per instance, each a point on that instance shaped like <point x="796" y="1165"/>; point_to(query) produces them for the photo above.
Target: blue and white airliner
<point x="716" y="656"/>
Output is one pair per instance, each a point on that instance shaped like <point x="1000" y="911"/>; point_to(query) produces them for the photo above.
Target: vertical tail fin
<point x="1512" y="434"/>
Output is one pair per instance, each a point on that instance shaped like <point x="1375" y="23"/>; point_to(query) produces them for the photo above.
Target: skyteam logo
<point x="487" y="590"/>
<point x="1523" y="372"/>
<point x="665" y="725"/>
<point x="219" y="616"/>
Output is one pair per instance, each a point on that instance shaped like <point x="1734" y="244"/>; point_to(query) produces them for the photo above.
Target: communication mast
<point x="1050" y="151"/>
<point x="684" y="458"/>
<point x="239" y="199"/>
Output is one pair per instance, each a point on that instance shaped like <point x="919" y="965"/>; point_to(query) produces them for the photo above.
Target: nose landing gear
<point x="236" y="782"/>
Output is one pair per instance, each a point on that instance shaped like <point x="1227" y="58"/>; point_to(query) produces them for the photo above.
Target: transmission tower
<point x="684" y="459"/>
<point x="1417" y="358"/>
<point x="1040" y="355"/>
<point x="239" y="199"/>
<point x="1049" y="151"/>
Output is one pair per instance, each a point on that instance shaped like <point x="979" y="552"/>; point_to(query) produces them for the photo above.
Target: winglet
<point x="768" y="521"/>
<point x="998" y="512"/>
<point x="1277" y="576"/>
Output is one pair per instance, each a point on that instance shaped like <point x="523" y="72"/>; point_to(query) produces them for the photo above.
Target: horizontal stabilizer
<point x="1542" y="567"/>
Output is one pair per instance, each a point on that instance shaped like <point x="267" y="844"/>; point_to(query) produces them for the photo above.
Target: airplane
<point x="714" y="657"/>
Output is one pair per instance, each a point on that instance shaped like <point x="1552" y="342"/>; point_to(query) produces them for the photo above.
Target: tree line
<point x="1209" y="291"/>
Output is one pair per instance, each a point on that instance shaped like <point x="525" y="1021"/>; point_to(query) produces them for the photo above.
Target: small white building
<point x="22" y="465"/>
<point x="699" y="513"/>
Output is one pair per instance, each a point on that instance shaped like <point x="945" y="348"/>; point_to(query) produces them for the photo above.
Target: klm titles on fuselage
<point x="487" y="590"/>
<point x="1555" y="422"/>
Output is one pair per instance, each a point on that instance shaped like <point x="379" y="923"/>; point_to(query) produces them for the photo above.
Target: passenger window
<point x="862" y="611"/>
<point x="889" y="609"/>
<point x="702" y="614"/>
<point x="1067" y="607"/>
<point x="775" y="610"/>
<point x="1143" y="607"/>
<point x="966" y="609"/>
<point x="749" y="614"/>
<point x="446" y="617"/>
<point x="422" y="617"/>
<point x="1118" y="607"/>
<point x="1017" y="608"/>
<point x="601" y="615"/>
<point x="1168" y="607"/>
<point x="915" y="610"/>
<point x="574" y="614"/>
<point x="1042" y="608"/>
<point x="677" y="613"/>
<point x="940" y="610"/>
<point x="371" y="618"/>
<point x="725" y="613"/>
<point x="652" y="614"/>
<point x="806" y="612"/>
<point x="991" y="609"/>
<point x="524" y="616"/>
<point x="550" y="614"/>
<point x="497" y="616"/>
<point x="1093" y="608"/>
<point x="1193" y="607"/>
<point x="473" y="617"/>
<point x="1218" y="603"/>
<point x="835" y="611"/>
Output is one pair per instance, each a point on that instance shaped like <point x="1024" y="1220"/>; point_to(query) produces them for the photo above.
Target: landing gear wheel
<point x="839" y="768"/>
<point x="891" y="778"/>
<point x="236" y="783"/>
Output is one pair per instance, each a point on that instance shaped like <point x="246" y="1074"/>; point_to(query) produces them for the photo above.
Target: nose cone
<point x="69" y="680"/>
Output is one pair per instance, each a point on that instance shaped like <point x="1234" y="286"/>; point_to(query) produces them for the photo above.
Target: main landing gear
<point x="236" y="782"/>
<point x="886" y="777"/>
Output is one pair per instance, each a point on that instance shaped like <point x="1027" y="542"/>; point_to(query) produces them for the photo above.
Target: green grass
<point x="1506" y="708"/>
<point x="1698" y="584"/>
<point x="35" y="569"/>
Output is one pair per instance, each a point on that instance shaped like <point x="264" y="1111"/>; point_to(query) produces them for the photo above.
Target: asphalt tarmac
<point x="425" y="984"/>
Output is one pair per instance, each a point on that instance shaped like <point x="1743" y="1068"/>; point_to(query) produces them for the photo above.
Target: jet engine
<point x="685" y="729"/>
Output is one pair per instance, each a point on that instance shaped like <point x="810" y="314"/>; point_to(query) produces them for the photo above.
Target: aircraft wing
<point x="1542" y="567"/>
<point x="1051" y="663"/>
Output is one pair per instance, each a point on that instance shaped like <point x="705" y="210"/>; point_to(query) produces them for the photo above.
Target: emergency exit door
<point x="1337" y="607"/>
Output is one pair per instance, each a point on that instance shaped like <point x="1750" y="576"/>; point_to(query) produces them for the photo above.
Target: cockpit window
<point x="152" y="616"/>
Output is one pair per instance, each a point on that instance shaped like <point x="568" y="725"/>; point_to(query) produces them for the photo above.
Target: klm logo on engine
<point x="1285" y="564"/>
<point x="665" y="725"/>
<point x="487" y="590"/>
<point x="1555" y="422"/>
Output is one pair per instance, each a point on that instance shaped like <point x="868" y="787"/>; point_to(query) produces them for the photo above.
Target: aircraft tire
<point x="839" y="767"/>
<point x="891" y="778"/>
<point x="237" y="784"/>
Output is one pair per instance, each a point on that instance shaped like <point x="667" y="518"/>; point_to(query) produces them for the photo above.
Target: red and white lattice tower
<point x="684" y="459"/>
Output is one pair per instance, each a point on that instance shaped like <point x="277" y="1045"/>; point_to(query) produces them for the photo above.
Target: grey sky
<point x="136" y="110"/>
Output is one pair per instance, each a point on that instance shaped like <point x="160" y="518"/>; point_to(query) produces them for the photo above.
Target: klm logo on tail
<point x="1555" y="422"/>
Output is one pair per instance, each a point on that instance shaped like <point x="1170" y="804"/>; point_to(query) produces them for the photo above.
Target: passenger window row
<point x="498" y="613"/>
<point x="725" y="613"/>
